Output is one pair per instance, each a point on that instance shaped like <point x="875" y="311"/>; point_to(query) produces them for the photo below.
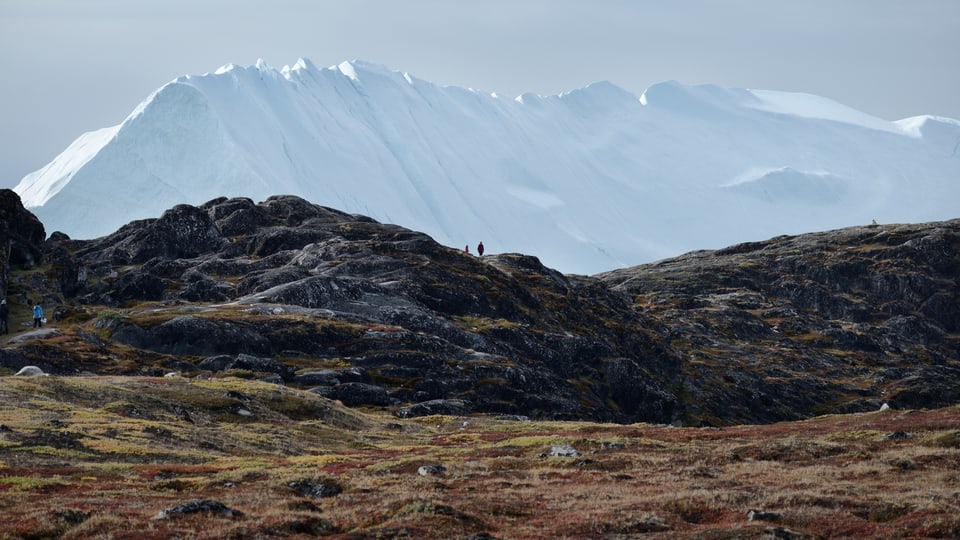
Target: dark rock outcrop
<point x="451" y="407"/>
<point x="14" y="361"/>
<point x="378" y="315"/>
<point x="21" y="237"/>
<point x="354" y="394"/>
<point x="206" y="506"/>
<point x="811" y="322"/>
<point x="315" y="489"/>
<point x="195" y="336"/>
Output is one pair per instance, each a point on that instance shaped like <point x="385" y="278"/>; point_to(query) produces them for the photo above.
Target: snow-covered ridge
<point x="588" y="180"/>
<point x="38" y="187"/>
<point x="811" y="106"/>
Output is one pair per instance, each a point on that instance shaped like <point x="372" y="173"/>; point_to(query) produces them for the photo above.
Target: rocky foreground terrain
<point x="158" y="458"/>
<point x="376" y="315"/>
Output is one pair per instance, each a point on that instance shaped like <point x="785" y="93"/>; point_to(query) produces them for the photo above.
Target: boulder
<point x="432" y="470"/>
<point x="315" y="488"/>
<point x="248" y="362"/>
<point x="262" y="365"/>
<point x="330" y="377"/>
<point x="356" y="394"/>
<point x="763" y="515"/>
<point x="563" y="450"/>
<point x="450" y="407"/>
<point x="221" y="362"/>
<point x="30" y="371"/>
<point x="206" y="506"/>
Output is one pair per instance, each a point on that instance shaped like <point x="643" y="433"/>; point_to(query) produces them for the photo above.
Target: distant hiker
<point x="466" y="249"/>
<point x="4" y="313"/>
<point x="480" y="249"/>
<point x="37" y="315"/>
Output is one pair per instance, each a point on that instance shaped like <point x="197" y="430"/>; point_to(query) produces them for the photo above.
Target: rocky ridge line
<point x="378" y="315"/>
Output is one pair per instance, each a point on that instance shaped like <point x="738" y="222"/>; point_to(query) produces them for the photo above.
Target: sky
<point x="72" y="66"/>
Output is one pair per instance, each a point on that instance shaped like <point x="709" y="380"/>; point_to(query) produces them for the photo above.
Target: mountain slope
<point x="378" y="315"/>
<point x="589" y="180"/>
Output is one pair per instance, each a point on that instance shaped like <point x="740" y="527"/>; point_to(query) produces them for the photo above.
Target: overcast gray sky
<point x="70" y="66"/>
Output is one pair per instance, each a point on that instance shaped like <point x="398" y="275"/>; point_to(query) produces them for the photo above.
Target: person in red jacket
<point x="480" y="249"/>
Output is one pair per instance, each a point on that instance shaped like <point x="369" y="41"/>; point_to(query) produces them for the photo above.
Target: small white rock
<point x="30" y="371"/>
<point x="428" y="470"/>
<point x="563" y="450"/>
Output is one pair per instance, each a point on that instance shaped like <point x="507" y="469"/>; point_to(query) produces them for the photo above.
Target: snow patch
<point x="534" y="197"/>
<point x="697" y="99"/>
<point x="943" y="133"/>
<point x="38" y="187"/>
<point x="346" y="68"/>
<point x="786" y="185"/>
<point x="811" y="106"/>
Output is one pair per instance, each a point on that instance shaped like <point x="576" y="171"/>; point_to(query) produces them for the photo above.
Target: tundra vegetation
<point x="105" y="457"/>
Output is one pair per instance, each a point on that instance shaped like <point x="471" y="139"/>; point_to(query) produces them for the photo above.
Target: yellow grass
<point x="96" y="473"/>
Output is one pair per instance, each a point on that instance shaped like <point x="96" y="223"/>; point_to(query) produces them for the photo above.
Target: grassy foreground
<point x="100" y="457"/>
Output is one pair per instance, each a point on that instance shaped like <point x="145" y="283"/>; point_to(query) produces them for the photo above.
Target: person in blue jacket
<point x="37" y="315"/>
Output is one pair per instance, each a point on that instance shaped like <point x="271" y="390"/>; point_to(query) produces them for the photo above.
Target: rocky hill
<point x="380" y="316"/>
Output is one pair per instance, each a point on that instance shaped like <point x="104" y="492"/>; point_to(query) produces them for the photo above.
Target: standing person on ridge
<point x="37" y="316"/>
<point x="480" y="249"/>
<point x="466" y="249"/>
<point x="4" y="314"/>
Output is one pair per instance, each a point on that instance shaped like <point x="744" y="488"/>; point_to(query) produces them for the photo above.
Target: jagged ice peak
<point x="588" y="180"/>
